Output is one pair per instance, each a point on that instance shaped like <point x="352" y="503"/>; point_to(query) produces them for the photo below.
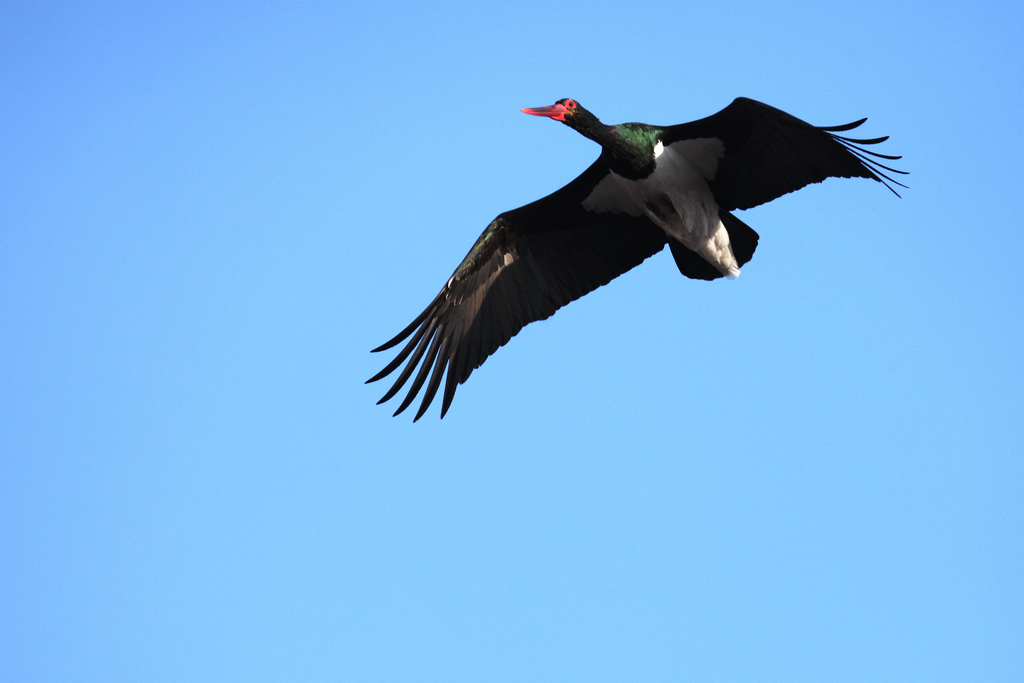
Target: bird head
<point x="562" y="110"/>
<point x="571" y="113"/>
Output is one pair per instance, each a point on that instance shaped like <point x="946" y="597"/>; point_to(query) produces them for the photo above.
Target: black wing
<point x="769" y="153"/>
<point x="527" y="264"/>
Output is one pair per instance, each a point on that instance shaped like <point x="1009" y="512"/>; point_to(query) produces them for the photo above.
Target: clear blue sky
<point x="210" y="212"/>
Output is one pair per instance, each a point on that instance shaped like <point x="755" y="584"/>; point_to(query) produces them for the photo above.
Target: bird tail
<point x="742" y="239"/>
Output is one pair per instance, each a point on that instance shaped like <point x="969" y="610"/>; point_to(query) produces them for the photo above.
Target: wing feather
<point x="769" y="153"/>
<point x="527" y="264"/>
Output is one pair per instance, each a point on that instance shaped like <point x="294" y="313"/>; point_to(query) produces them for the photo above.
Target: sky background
<point x="211" y="212"/>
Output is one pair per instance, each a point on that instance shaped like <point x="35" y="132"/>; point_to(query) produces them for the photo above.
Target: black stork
<point x="650" y="185"/>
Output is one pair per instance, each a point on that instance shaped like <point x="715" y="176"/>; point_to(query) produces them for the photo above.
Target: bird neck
<point x="588" y="125"/>
<point x="629" y="146"/>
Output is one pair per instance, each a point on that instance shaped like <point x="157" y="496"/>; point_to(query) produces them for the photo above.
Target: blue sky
<point x="210" y="212"/>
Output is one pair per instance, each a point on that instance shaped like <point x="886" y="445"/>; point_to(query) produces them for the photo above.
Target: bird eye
<point x="570" y="104"/>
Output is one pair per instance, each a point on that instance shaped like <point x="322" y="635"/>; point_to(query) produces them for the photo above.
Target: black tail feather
<point x="742" y="238"/>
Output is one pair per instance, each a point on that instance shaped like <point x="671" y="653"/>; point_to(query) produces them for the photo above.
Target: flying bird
<point x="650" y="186"/>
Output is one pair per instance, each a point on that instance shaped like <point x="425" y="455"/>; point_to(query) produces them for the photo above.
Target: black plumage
<point x="533" y="260"/>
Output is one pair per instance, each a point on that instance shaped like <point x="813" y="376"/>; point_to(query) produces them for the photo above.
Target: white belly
<point x="676" y="198"/>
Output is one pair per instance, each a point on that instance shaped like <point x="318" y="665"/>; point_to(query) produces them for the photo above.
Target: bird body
<point x="650" y="186"/>
<point x="676" y="198"/>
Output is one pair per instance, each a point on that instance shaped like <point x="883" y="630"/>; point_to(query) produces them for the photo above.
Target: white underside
<point x="676" y="198"/>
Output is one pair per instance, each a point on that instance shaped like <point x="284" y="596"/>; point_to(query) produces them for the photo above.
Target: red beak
<point x="555" y="111"/>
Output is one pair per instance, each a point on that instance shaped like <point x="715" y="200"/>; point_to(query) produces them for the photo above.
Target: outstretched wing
<point x="527" y="264"/>
<point x="766" y="153"/>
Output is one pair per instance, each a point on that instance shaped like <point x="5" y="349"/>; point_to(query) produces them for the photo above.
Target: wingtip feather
<point x="844" y="127"/>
